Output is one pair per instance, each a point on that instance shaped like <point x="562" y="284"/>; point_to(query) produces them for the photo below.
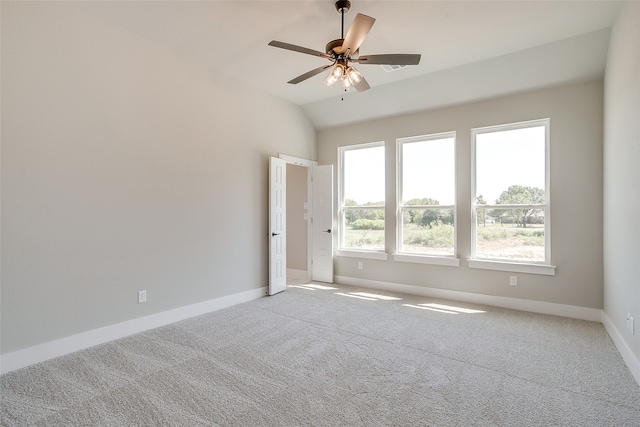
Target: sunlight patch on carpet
<point x="375" y="296"/>
<point x="441" y="308"/>
<point x="313" y="287"/>
<point x="356" y="296"/>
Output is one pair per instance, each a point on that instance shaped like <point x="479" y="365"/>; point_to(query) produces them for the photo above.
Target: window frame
<point x="414" y="257"/>
<point x="523" y="266"/>
<point x="341" y="249"/>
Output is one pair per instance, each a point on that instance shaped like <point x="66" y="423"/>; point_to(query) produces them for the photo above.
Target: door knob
<point x="275" y="234"/>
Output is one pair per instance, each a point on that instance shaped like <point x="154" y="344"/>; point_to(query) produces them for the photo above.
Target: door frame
<point x="298" y="161"/>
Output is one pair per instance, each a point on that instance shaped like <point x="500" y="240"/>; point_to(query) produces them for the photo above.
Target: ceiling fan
<point x="345" y="50"/>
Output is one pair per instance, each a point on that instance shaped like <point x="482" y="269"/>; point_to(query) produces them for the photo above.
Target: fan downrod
<point x="333" y="47"/>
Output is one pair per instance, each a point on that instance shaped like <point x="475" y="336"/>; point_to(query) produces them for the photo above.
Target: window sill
<point x="516" y="267"/>
<point x="427" y="259"/>
<point x="361" y="254"/>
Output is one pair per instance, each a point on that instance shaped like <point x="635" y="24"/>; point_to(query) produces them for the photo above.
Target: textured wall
<point x="622" y="176"/>
<point x="125" y="167"/>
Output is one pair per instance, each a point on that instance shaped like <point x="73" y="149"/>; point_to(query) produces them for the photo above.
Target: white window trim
<point x="514" y="267"/>
<point x="517" y="266"/>
<point x="426" y="258"/>
<point x="347" y="253"/>
<point x="355" y="252"/>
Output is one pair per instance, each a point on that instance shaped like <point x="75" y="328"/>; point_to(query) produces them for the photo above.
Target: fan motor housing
<point x="334" y="46"/>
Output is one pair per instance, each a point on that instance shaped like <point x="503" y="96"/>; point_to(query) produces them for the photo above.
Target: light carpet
<point x="337" y="356"/>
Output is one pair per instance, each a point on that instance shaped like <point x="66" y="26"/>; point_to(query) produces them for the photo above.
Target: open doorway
<point x="298" y="229"/>
<point x="300" y="222"/>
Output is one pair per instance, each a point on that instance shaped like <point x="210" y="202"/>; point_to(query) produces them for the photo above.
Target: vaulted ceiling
<point x="470" y="49"/>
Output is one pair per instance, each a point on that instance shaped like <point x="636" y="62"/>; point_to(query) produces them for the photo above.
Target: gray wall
<point x="297" y="239"/>
<point x="622" y="176"/>
<point x="576" y="193"/>
<point x="125" y="167"/>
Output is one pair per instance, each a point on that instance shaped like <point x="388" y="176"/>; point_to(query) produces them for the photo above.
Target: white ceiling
<point x="470" y="49"/>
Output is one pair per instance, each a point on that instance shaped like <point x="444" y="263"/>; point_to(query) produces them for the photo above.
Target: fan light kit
<point x="349" y="76"/>
<point x="347" y="49"/>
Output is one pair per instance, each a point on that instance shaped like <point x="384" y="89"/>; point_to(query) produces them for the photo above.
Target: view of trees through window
<point x="363" y="194"/>
<point x="509" y="200"/>
<point x="426" y="174"/>
<point x="510" y="182"/>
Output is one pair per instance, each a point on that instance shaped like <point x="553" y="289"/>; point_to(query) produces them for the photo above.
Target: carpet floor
<point x="320" y="355"/>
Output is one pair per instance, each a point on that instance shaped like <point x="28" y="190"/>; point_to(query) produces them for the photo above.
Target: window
<point x="426" y="215"/>
<point x="510" y="194"/>
<point x="362" y="196"/>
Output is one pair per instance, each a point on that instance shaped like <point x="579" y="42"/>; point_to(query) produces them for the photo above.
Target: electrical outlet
<point x="359" y="265"/>
<point x="513" y="280"/>
<point x="142" y="297"/>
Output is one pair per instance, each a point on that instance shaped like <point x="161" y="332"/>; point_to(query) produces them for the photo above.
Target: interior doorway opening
<point x="298" y="225"/>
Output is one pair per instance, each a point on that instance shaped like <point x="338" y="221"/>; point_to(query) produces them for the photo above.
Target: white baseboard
<point x="49" y="350"/>
<point x="584" y="313"/>
<point x="625" y="351"/>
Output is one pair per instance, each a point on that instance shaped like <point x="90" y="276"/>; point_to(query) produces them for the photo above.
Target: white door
<point x="322" y="223"/>
<point x="277" y="225"/>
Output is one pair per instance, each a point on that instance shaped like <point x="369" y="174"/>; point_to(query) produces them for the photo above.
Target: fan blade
<point x="308" y="74"/>
<point x="391" y="59"/>
<point x="362" y="85"/>
<point x="359" y="29"/>
<point x="300" y="49"/>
